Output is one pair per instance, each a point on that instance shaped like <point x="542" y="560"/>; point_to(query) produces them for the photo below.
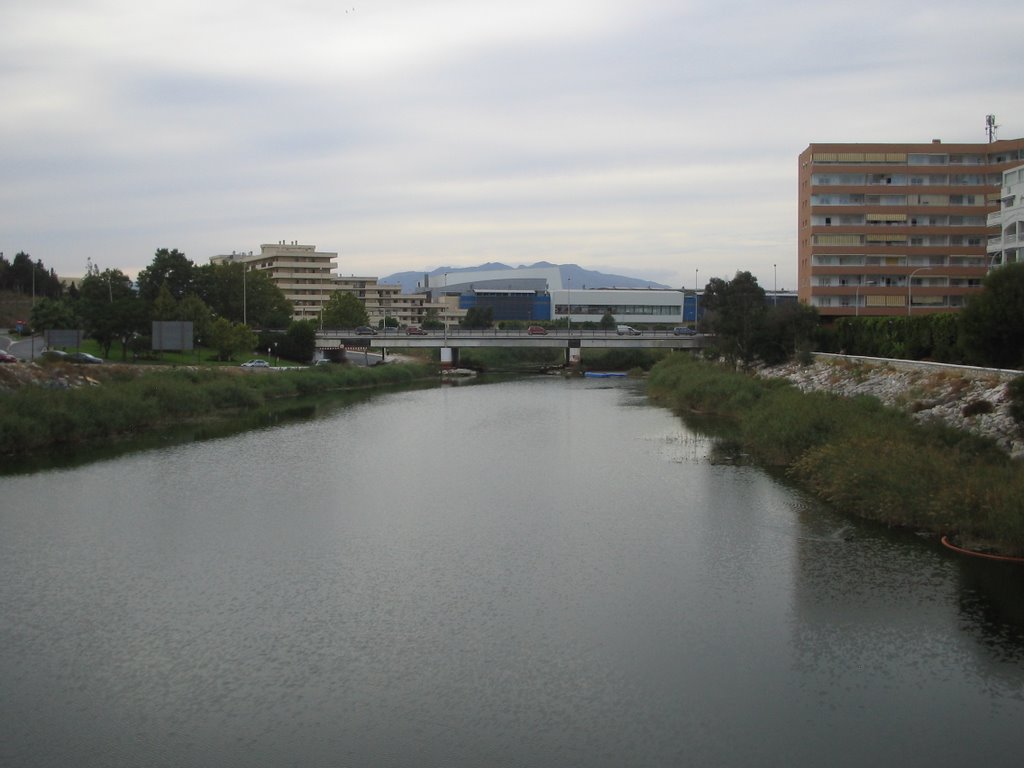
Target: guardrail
<point x="560" y="333"/>
<point x="925" y="365"/>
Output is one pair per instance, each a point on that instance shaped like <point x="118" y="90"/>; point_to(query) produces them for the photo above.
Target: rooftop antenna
<point x="991" y="127"/>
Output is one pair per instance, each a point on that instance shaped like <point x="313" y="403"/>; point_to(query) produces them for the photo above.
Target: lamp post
<point x="775" y="287"/>
<point x="444" y="303"/>
<point x="568" y="309"/>
<point x="31" y="329"/>
<point x="910" y="285"/>
<point x="244" y="317"/>
<point x="856" y="301"/>
<point x="696" y="286"/>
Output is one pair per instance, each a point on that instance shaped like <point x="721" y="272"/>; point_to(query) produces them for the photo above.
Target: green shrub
<point x="1015" y="389"/>
<point x="862" y="457"/>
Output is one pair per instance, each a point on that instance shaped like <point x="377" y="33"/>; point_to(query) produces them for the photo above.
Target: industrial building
<point x="541" y="293"/>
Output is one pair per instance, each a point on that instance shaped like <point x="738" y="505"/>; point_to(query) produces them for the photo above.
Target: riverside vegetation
<point x="132" y="400"/>
<point x="860" y="456"/>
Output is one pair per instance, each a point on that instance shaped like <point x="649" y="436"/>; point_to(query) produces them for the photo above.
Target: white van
<point x="627" y="330"/>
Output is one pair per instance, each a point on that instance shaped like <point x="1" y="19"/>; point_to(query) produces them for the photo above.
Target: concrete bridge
<point x="450" y="341"/>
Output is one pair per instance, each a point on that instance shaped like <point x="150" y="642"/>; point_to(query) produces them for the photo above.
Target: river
<point x="542" y="572"/>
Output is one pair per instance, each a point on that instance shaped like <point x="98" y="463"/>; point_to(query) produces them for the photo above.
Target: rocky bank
<point x="971" y="399"/>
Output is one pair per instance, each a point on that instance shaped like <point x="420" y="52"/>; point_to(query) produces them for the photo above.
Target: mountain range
<point x="412" y="282"/>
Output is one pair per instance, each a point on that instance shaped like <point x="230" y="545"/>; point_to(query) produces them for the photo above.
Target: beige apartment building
<point x="306" y="276"/>
<point x="897" y="229"/>
<point x="382" y="300"/>
<point x="303" y="273"/>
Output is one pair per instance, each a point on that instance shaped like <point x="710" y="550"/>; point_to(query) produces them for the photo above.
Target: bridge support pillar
<point x="449" y="357"/>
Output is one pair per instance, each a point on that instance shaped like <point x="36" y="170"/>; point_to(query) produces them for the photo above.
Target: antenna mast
<point x="990" y="127"/>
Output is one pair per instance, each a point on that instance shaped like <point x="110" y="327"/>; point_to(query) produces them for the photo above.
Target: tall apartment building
<point x="1006" y="246"/>
<point x="895" y="229"/>
<point x="300" y="271"/>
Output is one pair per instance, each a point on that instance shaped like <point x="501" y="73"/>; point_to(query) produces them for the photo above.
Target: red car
<point x="6" y="357"/>
<point x="536" y="330"/>
<point x="414" y="330"/>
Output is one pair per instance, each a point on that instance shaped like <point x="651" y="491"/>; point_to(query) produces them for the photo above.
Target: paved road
<point x="22" y="348"/>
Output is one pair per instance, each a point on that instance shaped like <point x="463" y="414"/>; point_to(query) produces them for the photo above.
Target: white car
<point x="255" y="364"/>
<point x="627" y="330"/>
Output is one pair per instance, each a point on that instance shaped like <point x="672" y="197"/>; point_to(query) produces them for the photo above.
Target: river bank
<point x="968" y="399"/>
<point x="865" y="458"/>
<point x="54" y="405"/>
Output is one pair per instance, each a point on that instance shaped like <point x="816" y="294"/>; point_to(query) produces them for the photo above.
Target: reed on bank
<point x="863" y="458"/>
<point x="125" y="402"/>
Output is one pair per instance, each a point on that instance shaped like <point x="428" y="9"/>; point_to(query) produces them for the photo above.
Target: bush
<point x="1015" y="389"/>
<point x="977" y="407"/>
<point x="862" y="457"/>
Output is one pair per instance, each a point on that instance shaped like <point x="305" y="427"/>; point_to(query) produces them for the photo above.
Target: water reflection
<point x="536" y="573"/>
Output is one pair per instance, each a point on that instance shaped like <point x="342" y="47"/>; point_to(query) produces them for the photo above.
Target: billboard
<point x="63" y="339"/>
<point x="172" y="335"/>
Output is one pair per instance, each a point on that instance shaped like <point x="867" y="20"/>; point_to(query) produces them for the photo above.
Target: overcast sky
<point x="652" y="138"/>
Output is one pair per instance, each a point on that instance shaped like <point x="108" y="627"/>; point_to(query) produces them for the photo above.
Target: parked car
<point x="627" y="330"/>
<point x="683" y="330"/>
<point x="415" y="330"/>
<point x="536" y="330"/>
<point x="7" y="357"/>
<point x="55" y="355"/>
<point x="84" y="358"/>
<point x="255" y="364"/>
<point x="365" y="330"/>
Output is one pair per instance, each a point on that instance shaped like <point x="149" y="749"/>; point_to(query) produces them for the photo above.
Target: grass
<point x="126" y="401"/>
<point x="863" y="458"/>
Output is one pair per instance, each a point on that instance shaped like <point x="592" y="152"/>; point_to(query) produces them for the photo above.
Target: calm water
<point x="536" y="573"/>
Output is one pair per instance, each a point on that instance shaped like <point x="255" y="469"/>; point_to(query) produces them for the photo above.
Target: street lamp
<point x="568" y="309"/>
<point x="775" y="287"/>
<point x="31" y="329"/>
<point x="856" y="302"/>
<point x="696" y="286"/>
<point x="910" y="285"/>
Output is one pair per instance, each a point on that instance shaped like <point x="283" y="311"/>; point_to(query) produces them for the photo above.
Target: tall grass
<point x="33" y="418"/>
<point x="860" y="456"/>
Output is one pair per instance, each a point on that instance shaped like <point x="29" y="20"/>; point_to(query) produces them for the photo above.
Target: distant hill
<point x="411" y="282"/>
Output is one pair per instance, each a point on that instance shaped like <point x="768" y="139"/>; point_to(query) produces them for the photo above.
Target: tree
<point x="192" y="308"/>
<point x="431" y="321"/>
<point x="787" y="329"/>
<point x="607" y="321"/>
<point x="734" y="311"/>
<point x="993" y="320"/>
<point x="344" y="310"/>
<point x="299" y="341"/>
<point x="164" y="305"/>
<point x="238" y="294"/>
<point x="478" y="318"/>
<point x="170" y="268"/>
<point x="53" y="314"/>
<point x="228" y="338"/>
<point x="109" y="308"/>
<point x="29" y="277"/>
